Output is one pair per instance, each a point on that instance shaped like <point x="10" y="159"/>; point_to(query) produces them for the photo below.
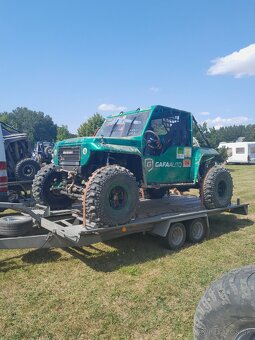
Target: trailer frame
<point x="64" y="228"/>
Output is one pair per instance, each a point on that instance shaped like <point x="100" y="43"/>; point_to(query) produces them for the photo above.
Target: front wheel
<point x="176" y="236"/>
<point x="111" y="196"/>
<point x="46" y="189"/>
<point x="26" y="169"/>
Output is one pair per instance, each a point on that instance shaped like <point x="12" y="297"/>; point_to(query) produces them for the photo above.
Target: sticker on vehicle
<point x="186" y="163"/>
<point x="187" y="152"/>
<point x="149" y="164"/>
<point x="180" y="152"/>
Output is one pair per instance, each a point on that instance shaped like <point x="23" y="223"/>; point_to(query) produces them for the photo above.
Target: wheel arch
<point x="101" y="158"/>
<point x="202" y="159"/>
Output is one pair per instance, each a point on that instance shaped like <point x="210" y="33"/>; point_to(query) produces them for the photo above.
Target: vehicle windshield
<point x="124" y="125"/>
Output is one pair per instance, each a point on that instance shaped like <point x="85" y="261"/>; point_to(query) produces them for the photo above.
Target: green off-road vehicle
<point x="150" y="149"/>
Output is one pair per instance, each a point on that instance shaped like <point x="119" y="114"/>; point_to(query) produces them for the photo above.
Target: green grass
<point x="127" y="288"/>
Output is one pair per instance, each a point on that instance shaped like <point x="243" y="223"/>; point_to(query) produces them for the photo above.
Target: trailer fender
<point x="161" y="228"/>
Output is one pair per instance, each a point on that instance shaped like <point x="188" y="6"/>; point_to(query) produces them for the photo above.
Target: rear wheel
<point x="111" y="196"/>
<point x="46" y="188"/>
<point x="196" y="230"/>
<point x="216" y="189"/>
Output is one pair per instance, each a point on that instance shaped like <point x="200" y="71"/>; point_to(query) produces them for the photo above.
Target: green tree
<point x="223" y="154"/>
<point x="37" y="125"/>
<point x="90" y="126"/>
<point x="63" y="133"/>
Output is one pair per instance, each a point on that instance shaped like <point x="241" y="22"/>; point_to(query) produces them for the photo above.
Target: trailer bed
<point x="64" y="228"/>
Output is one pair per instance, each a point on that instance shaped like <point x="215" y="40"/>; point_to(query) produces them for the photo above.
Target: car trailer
<point x="175" y="218"/>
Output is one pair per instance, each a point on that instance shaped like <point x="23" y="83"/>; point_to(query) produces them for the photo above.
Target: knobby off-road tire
<point x="152" y="193"/>
<point x="216" y="189"/>
<point x="15" y="225"/>
<point x="48" y="150"/>
<point x="227" y="309"/>
<point x="26" y="169"/>
<point x="42" y="189"/>
<point x="112" y="196"/>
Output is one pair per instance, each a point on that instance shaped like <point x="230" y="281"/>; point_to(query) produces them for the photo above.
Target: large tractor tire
<point x="227" y="309"/>
<point x="45" y="189"/>
<point x="111" y="196"/>
<point x="153" y="193"/>
<point x="216" y="189"/>
<point x="26" y="169"/>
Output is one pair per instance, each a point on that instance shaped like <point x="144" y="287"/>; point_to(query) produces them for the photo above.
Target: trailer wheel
<point x="176" y="236"/>
<point x="26" y="169"/>
<point x="216" y="190"/>
<point x="45" y="188"/>
<point x="227" y="309"/>
<point x="111" y="196"/>
<point x="13" y="225"/>
<point x="155" y="193"/>
<point x="196" y="230"/>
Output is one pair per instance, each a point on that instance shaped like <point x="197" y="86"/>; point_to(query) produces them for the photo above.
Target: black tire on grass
<point x="42" y="189"/>
<point x="112" y="196"/>
<point x="227" y="309"/>
<point x="216" y="189"/>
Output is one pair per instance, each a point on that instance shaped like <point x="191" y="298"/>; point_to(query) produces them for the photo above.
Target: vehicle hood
<point x="121" y="145"/>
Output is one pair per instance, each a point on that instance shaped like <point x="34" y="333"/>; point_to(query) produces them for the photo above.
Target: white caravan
<point x="240" y="152"/>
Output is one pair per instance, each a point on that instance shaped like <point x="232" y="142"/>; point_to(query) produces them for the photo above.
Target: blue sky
<point x="70" y="59"/>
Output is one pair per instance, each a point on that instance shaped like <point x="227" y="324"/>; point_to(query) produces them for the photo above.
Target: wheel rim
<point x="118" y="198"/>
<point x="222" y="187"/>
<point x="197" y="230"/>
<point x="55" y="186"/>
<point x="28" y="170"/>
<point x="246" y="334"/>
<point x="177" y="236"/>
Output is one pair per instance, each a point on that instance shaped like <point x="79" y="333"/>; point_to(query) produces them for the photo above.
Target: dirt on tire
<point x="41" y="189"/>
<point x="216" y="189"/>
<point x="112" y="196"/>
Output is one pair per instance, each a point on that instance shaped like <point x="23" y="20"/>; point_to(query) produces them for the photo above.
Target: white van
<point x="240" y="152"/>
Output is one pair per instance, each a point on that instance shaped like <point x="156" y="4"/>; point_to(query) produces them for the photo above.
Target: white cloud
<point x="219" y="122"/>
<point x="154" y="89"/>
<point x="111" y="107"/>
<point x="204" y="113"/>
<point x="239" y="63"/>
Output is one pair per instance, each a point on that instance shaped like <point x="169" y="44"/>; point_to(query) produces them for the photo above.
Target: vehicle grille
<point x="69" y="155"/>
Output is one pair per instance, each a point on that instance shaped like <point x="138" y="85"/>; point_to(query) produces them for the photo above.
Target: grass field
<point x="127" y="288"/>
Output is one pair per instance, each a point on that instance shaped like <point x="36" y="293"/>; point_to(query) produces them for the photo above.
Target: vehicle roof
<point x="152" y="107"/>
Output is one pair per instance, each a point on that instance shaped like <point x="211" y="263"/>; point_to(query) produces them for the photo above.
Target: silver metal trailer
<point x="175" y="218"/>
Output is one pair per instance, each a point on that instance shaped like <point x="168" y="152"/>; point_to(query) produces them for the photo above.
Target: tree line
<point x="225" y="134"/>
<point x="40" y="127"/>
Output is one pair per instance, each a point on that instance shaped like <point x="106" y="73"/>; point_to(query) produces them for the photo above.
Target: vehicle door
<point x="167" y="153"/>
